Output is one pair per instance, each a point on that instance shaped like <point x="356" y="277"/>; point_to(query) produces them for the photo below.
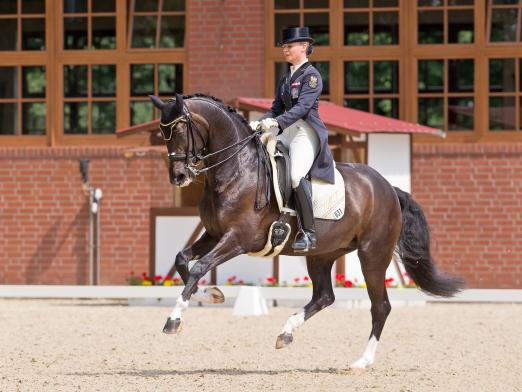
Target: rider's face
<point x="294" y="52"/>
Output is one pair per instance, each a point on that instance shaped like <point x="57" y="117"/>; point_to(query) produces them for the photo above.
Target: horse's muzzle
<point x="179" y="180"/>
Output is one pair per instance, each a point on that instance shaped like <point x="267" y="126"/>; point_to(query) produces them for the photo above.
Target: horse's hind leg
<point x="374" y="263"/>
<point x="319" y="269"/>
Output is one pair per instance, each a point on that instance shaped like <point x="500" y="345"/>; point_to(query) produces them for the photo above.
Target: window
<point x="364" y="25"/>
<point x="445" y="21"/>
<point x="439" y="67"/>
<point x="89" y="99"/>
<point x="311" y="13"/>
<point x="163" y="80"/>
<point x="504" y="94"/>
<point x="446" y="94"/>
<point x="504" y="21"/>
<point x="89" y="24"/>
<point x="372" y="86"/>
<point x="22" y="100"/>
<point x="22" y="25"/>
<point x="155" y="27"/>
<point x="63" y="78"/>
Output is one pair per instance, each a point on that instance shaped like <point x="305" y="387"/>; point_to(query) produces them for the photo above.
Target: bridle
<point x="192" y="157"/>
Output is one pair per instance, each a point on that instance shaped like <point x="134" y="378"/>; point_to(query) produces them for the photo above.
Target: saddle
<point x="328" y="199"/>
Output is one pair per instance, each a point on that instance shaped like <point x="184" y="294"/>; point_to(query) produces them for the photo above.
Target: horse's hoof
<point x="284" y="340"/>
<point x="173" y="326"/>
<point x="216" y="296"/>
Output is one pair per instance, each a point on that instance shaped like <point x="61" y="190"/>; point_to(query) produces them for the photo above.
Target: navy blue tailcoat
<point x="297" y="97"/>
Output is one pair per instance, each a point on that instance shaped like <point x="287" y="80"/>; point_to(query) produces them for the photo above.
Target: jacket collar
<point x="299" y="72"/>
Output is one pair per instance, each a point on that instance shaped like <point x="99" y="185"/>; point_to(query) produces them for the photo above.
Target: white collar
<point x="294" y="68"/>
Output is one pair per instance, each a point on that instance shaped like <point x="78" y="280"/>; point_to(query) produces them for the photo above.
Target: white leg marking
<point x="202" y="296"/>
<point x="293" y="322"/>
<point x="368" y="356"/>
<point x="179" y="308"/>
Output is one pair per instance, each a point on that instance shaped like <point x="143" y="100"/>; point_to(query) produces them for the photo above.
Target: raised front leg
<point x="199" y="248"/>
<point x="225" y="249"/>
<point x="205" y="243"/>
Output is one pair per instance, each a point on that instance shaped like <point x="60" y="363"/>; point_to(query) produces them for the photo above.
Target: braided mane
<point x="227" y="108"/>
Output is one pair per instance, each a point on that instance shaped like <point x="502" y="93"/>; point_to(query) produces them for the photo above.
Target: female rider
<point x="294" y="118"/>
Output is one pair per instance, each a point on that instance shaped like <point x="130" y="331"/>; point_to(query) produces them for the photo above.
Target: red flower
<point x="168" y="277"/>
<point x="144" y="274"/>
<point x="270" y="279"/>
<point x="241" y="281"/>
<point x="157" y="278"/>
<point x="306" y="278"/>
<point x="176" y="279"/>
<point x="203" y="282"/>
<point x="348" y="283"/>
<point x="296" y="280"/>
<point x="388" y="282"/>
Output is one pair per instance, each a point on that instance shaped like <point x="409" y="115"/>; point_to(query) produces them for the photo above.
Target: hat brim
<point x="297" y="39"/>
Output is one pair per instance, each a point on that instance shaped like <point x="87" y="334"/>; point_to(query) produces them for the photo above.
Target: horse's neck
<point x="223" y="132"/>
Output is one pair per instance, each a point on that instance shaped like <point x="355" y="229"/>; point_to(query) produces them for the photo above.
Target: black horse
<point x="379" y="218"/>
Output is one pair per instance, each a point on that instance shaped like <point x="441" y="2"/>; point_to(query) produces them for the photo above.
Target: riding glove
<point x="254" y="125"/>
<point x="270" y="125"/>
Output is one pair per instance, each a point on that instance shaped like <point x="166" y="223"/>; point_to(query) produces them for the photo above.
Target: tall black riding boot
<point x="305" y="238"/>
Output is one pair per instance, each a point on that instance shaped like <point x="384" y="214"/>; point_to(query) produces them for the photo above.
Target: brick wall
<point x="225" y="44"/>
<point x="44" y="213"/>
<point x="470" y="193"/>
<point x="472" y="197"/>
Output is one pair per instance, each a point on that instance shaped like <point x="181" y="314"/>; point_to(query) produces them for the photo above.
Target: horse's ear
<point x="157" y="102"/>
<point x="179" y="103"/>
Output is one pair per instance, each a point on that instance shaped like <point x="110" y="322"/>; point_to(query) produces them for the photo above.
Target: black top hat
<point x="296" y="34"/>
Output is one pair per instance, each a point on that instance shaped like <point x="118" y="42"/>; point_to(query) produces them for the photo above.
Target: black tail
<point x="414" y="250"/>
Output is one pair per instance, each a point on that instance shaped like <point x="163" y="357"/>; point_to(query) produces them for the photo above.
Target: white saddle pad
<point x="327" y="199"/>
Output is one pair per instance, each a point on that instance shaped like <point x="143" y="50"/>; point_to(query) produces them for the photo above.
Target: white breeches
<point x="303" y="145"/>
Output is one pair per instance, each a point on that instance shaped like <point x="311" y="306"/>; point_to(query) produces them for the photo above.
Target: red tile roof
<point x="340" y="118"/>
<point x="336" y="118"/>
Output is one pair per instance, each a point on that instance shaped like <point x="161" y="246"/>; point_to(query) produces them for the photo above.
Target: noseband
<point x="192" y="157"/>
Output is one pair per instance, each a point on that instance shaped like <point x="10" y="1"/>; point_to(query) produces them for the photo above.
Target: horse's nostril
<point x="180" y="178"/>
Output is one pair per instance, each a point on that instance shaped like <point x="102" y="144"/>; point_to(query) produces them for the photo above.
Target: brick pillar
<point x="225" y="44"/>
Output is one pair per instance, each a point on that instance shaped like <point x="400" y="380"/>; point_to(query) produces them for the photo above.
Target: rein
<point x="192" y="158"/>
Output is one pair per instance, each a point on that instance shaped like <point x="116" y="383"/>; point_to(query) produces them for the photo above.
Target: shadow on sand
<point x="206" y="372"/>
